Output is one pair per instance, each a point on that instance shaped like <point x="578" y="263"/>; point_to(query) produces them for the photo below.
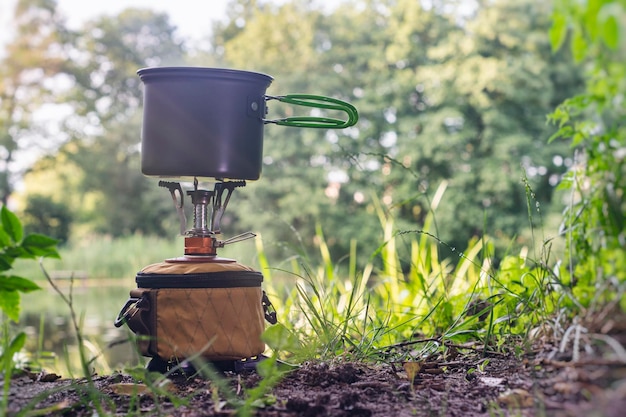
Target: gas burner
<point x="202" y="240"/>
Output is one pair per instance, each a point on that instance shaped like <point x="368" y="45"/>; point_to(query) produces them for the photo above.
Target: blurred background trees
<point x="30" y="63"/>
<point x="449" y="98"/>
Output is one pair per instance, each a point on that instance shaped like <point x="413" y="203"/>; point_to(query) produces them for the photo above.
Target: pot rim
<point x="152" y="73"/>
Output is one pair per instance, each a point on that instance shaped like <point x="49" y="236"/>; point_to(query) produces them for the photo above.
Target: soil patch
<point x="474" y="385"/>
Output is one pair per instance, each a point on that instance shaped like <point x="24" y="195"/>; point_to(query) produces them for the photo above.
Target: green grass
<point x="407" y="293"/>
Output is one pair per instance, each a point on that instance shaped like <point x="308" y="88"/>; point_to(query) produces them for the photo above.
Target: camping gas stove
<point x="207" y="123"/>
<point x="199" y="307"/>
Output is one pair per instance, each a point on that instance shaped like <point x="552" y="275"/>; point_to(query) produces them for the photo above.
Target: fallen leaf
<point x="129" y="389"/>
<point x="140" y="389"/>
<point x="434" y="371"/>
<point x="566" y="388"/>
<point x="516" y="398"/>
<point x="48" y="377"/>
<point x="412" y="369"/>
<point x="491" y="381"/>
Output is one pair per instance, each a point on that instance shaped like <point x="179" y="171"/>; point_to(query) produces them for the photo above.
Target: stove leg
<point x="158" y="365"/>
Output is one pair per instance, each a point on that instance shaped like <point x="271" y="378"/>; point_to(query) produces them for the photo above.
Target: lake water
<point x="46" y="319"/>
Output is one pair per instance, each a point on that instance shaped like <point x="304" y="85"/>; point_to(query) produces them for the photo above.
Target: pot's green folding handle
<point x="319" y="102"/>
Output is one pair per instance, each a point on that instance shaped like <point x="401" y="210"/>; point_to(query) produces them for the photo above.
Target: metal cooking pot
<point x="208" y="122"/>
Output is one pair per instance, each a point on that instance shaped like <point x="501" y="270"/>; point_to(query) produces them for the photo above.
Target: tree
<point x="486" y="92"/>
<point x="280" y="41"/>
<point x="440" y="98"/>
<point x="27" y="69"/>
<point x="104" y="127"/>
<point x="47" y="217"/>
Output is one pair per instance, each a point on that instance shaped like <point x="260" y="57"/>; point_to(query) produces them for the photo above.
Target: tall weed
<point x="409" y="293"/>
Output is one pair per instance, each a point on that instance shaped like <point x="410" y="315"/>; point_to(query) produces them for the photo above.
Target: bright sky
<point x="192" y="17"/>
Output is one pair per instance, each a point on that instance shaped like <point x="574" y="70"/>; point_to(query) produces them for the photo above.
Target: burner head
<point x="201" y="241"/>
<point x="203" y="246"/>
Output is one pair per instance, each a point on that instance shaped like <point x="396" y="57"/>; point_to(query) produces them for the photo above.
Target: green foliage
<point x="47" y="217"/>
<point x="439" y="98"/>
<point x="594" y="24"/>
<point x="125" y="201"/>
<point x="594" y="219"/>
<point x="9" y="349"/>
<point x="95" y="165"/>
<point x="14" y="245"/>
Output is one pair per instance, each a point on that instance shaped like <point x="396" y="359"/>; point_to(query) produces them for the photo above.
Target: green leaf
<point x="10" y="304"/>
<point x="590" y="18"/>
<point x="579" y="46"/>
<point x="16" y="345"/>
<point x="278" y="337"/>
<point x="40" y="245"/>
<point x="266" y="368"/>
<point x="11" y="224"/>
<point x="558" y="31"/>
<point x="15" y="283"/>
<point x="564" y="132"/>
<point x="565" y="184"/>
<point x="5" y="262"/>
<point x="610" y="32"/>
<point x="13" y="252"/>
<point x="5" y="239"/>
<point x="577" y="138"/>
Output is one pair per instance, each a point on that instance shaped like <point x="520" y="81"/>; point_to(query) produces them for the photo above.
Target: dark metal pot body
<point x="203" y="122"/>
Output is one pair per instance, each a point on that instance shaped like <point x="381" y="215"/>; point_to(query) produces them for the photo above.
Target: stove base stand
<point x="188" y="369"/>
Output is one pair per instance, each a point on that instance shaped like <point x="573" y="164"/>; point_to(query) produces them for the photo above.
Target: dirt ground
<point x="471" y="384"/>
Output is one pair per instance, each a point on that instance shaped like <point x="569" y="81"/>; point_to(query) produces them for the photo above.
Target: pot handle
<point x="319" y="102"/>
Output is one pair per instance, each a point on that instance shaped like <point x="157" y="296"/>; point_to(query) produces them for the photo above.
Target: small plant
<point x="593" y="222"/>
<point x="280" y="340"/>
<point x="88" y="390"/>
<point x="14" y="245"/>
